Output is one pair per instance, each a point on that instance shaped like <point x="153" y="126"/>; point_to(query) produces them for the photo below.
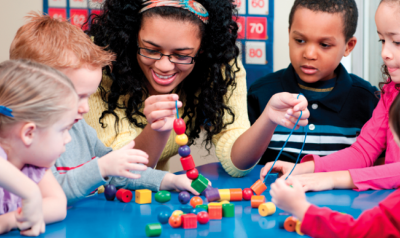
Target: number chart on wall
<point x="77" y="11"/>
<point x="255" y="37"/>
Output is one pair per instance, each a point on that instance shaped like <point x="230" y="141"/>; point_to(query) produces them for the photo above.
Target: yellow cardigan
<point x="223" y="141"/>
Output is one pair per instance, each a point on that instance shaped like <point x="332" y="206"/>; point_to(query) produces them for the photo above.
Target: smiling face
<point x="387" y="21"/>
<point x="167" y="36"/>
<point x="317" y="44"/>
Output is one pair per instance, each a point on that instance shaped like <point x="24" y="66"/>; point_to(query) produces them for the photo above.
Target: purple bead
<point x="184" y="151"/>
<point x="109" y="192"/>
<point x="204" y="192"/>
<point x="184" y="197"/>
<point x="212" y="195"/>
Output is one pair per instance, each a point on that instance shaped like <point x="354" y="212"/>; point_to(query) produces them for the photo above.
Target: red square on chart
<point x="256" y="28"/>
<point x="79" y="17"/>
<point x="241" y="21"/>
<point x="58" y="13"/>
<point x="96" y="11"/>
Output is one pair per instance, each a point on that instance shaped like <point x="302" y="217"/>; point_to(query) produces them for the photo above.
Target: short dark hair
<point x="348" y="8"/>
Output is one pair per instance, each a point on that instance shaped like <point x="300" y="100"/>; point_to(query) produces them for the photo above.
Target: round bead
<point x="153" y="229"/>
<point x="184" y="197"/>
<point x="196" y="200"/>
<point x="197" y="210"/>
<point x="109" y="192"/>
<point x="202" y="217"/>
<point x="163" y="217"/>
<point x="162" y="196"/>
<point x="177" y="213"/>
<point x="124" y="195"/>
<point x="186" y="209"/>
<point x="100" y="189"/>
<point x="179" y="126"/>
<point x="247" y="193"/>
<point x="175" y="221"/>
<point x="184" y="151"/>
<point x="192" y="174"/>
<point x="181" y="139"/>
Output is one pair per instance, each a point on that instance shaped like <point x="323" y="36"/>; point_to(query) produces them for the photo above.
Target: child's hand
<point x="178" y="182"/>
<point x="160" y="111"/>
<point x="120" y="162"/>
<point x="284" y="109"/>
<point x="290" y="199"/>
<point x="284" y="168"/>
<point x="326" y="181"/>
<point x="29" y="217"/>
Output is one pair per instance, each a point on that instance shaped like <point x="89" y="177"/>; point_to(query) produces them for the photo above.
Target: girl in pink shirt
<point x="354" y="167"/>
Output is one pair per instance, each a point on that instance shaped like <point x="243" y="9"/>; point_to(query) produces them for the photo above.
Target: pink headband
<point x="189" y="5"/>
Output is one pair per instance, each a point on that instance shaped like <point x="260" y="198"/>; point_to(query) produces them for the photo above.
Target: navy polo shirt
<point x="335" y="119"/>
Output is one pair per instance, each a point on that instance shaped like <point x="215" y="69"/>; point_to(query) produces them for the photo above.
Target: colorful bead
<point x="109" y="192"/>
<point x="215" y="212"/>
<point x="290" y="224"/>
<point x="186" y="208"/>
<point x="256" y="201"/>
<point x="143" y="196"/>
<point x="224" y="194"/>
<point x="184" y="197"/>
<point x="124" y="195"/>
<point x="258" y="187"/>
<point x="200" y="183"/>
<point x="184" y="151"/>
<point x="153" y="229"/>
<point x="187" y="163"/>
<point x="203" y="206"/>
<point x="212" y="195"/>
<point x="189" y="221"/>
<point x="181" y="139"/>
<point x="177" y="213"/>
<point x="163" y="217"/>
<point x="179" y="126"/>
<point x="228" y="210"/>
<point x="298" y="228"/>
<point x="205" y="190"/>
<point x="224" y="202"/>
<point x="247" y="194"/>
<point x="197" y="210"/>
<point x="202" y="217"/>
<point x="196" y="200"/>
<point x="236" y="194"/>
<point x="267" y="209"/>
<point x="192" y="174"/>
<point x="100" y="189"/>
<point x="175" y="221"/>
<point x="162" y="196"/>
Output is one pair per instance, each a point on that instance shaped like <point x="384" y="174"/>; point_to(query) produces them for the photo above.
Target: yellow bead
<point x="224" y="202"/>
<point x="100" y="189"/>
<point x="224" y="194"/>
<point x="181" y="139"/>
<point x="298" y="228"/>
<point x="214" y="204"/>
<point x="267" y="209"/>
<point x="143" y="196"/>
<point x="177" y="213"/>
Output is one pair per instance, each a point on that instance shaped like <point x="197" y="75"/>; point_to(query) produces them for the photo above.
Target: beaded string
<point x="177" y="112"/>
<point x="291" y="132"/>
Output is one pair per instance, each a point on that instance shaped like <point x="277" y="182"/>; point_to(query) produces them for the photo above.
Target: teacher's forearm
<point x="251" y="145"/>
<point x="152" y="142"/>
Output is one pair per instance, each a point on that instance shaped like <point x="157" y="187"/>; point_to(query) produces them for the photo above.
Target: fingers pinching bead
<point x="179" y="126"/>
<point x="181" y="139"/>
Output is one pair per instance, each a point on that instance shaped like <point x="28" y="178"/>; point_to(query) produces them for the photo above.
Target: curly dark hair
<point x="117" y="30"/>
<point x="348" y="8"/>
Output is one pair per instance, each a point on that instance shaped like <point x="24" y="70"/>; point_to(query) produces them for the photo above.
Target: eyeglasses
<point x="174" y="58"/>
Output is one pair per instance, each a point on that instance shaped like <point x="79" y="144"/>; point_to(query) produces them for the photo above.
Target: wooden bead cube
<point x="187" y="163"/>
<point x="153" y="229"/>
<point x="290" y="224"/>
<point x="267" y="209"/>
<point x="224" y="194"/>
<point x="236" y="194"/>
<point x="258" y="187"/>
<point x="228" y="210"/>
<point x="212" y="194"/>
<point x="215" y="212"/>
<point x="143" y="196"/>
<point x="200" y="183"/>
<point x="189" y="221"/>
<point x="256" y="201"/>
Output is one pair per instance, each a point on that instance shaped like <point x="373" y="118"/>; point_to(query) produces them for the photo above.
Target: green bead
<point x="228" y="210"/>
<point x="200" y="183"/>
<point x="153" y="229"/>
<point x="205" y="207"/>
<point x="162" y="196"/>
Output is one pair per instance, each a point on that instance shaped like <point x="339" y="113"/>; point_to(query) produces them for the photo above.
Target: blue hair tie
<point x="6" y="111"/>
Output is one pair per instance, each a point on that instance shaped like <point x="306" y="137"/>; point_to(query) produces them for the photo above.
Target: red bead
<point x="196" y="200"/>
<point x="187" y="163"/>
<point x="124" y="195"/>
<point x="202" y="217"/>
<point x="179" y="126"/>
<point x="175" y="221"/>
<point x="247" y="193"/>
<point x="192" y="174"/>
<point x="189" y="221"/>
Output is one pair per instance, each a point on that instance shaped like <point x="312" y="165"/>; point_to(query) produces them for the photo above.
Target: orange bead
<point x="196" y="200"/>
<point x="258" y="187"/>
<point x="175" y="221"/>
<point x="290" y="224"/>
<point x="256" y="201"/>
<point x="236" y="194"/>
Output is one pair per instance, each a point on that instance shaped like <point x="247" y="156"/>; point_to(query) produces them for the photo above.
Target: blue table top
<point x="96" y="217"/>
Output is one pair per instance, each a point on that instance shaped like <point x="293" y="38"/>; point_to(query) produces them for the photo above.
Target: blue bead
<point x="186" y="209"/>
<point x="163" y="217"/>
<point x="184" y="197"/>
<point x="184" y="151"/>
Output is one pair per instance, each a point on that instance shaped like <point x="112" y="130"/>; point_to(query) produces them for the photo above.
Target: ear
<point x="28" y="132"/>
<point x="351" y="43"/>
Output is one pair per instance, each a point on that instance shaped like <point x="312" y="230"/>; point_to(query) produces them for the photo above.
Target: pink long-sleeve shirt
<point x="359" y="158"/>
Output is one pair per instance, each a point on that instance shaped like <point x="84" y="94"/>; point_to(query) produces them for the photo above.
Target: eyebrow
<point x="389" y="33"/>
<point x="324" y="38"/>
<point x="178" y="49"/>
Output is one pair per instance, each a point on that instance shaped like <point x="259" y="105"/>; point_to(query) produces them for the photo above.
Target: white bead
<point x="311" y="127"/>
<point x="314" y="106"/>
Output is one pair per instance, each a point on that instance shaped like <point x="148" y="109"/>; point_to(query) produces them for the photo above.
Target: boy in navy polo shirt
<point x="320" y="34"/>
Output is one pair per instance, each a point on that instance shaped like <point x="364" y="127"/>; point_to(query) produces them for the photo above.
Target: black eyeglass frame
<point x="169" y="56"/>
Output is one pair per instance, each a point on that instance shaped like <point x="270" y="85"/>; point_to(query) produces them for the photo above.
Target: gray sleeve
<point x="80" y="182"/>
<point x="150" y="179"/>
